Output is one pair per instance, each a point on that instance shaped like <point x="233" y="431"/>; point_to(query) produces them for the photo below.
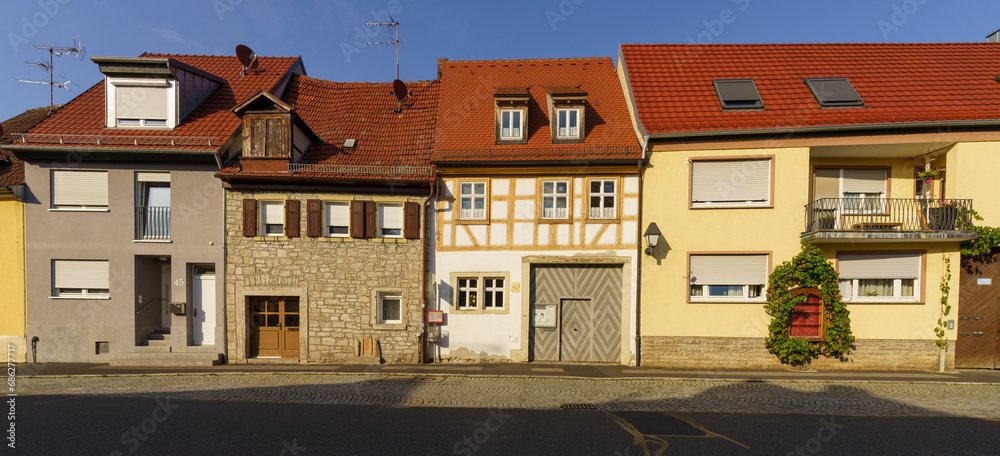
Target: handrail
<point x="888" y="214"/>
<point x="147" y="305"/>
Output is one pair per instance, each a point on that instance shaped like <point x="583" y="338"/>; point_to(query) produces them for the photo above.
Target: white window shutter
<point x="273" y="213"/>
<point x="338" y="214"/>
<point x="137" y="102"/>
<point x="864" y="181"/>
<point x="81" y="274"/>
<point x="79" y="188"/>
<point x="390" y="216"/>
<point x="152" y="177"/>
<point x="730" y="180"/>
<point x="880" y="266"/>
<point x="728" y="269"/>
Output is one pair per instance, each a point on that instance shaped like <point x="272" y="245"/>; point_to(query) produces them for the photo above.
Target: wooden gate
<point x="978" y="314"/>
<point x="589" y="313"/>
<point x="274" y="327"/>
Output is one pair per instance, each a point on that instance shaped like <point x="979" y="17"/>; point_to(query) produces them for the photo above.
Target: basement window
<point x="737" y="94"/>
<point x="834" y="92"/>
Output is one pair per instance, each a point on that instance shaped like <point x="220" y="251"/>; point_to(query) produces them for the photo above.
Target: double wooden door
<point x="978" y="344"/>
<point x="274" y="327"/>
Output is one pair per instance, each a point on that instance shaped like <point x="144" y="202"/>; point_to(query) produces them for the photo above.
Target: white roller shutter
<point x="864" y="181"/>
<point x="390" y="216"/>
<point x="81" y="274"/>
<point x="338" y="214"/>
<point x="880" y="266"/>
<point x="272" y="213"/>
<point x="137" y="102"/>
<point x="152" y="177"/>
<point x="728" y="269"/>
<point x="80" y="188"/>
<point x="730" y="180"/>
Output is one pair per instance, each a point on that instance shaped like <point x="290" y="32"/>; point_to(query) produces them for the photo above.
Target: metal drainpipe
<point x="638" y="274"/>
<point x="423" y="283"/>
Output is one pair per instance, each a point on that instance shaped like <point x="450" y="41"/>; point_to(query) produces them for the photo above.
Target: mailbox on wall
<point x="809" y="317"/>
<point x="176" y="308"/>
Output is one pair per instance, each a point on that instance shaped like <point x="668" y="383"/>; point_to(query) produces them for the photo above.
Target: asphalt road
<point x="102" y="425"/>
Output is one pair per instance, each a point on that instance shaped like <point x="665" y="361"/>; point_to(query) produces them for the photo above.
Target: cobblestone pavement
<point x="674" y="395"/>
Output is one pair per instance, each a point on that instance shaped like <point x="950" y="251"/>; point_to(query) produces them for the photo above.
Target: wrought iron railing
<point x="152" y="223"/>
<point x="888" y="214"/>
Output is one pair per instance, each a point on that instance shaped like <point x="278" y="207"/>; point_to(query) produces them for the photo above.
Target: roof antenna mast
<point x="394" y="25"/>
<point x="55" y="52"/>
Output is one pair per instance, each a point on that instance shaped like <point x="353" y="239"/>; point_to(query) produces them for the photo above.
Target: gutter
<point x="638" y="272"/>
<point x="26" y="152"/>
<point x="427" y="275"/>
<point x="826" y="129"/>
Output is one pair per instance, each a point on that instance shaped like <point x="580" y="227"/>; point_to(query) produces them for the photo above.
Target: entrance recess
<point x="203" y="295"/>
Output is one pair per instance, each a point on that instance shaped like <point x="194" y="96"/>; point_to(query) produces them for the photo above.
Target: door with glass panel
<point x="274" y="327"/>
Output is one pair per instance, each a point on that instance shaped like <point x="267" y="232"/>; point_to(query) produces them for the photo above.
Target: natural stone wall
<point x="339" y="279"/>
<point x="749" y="353"/>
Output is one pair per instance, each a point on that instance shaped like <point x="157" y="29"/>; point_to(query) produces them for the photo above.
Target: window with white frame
<point x="879" y="277"/>
<point x="730" y="183"/>
<point x="141" y="103"/>
<point x="602" y="198"/>
<point x="152" y="205"/>
<point x="728" y="277"/>
<point x="472" y="201"/>
<point x="863" y="190"/>
<point x="390" y="308"/>
<point x="493" y="292"/>
<point x="390" y="220"/>
<point x="569" y="123"/>
<point x="79" y="189"/>
<point x="272" y="218"/>
<point x="555" y="199"/>
<point x="81" y="278"/>
<point x="510" y="124"/>
<point x="338" y="219"/>
<point x="467" y="296"/>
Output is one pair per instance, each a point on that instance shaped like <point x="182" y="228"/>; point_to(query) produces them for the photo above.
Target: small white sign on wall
<point x="986" y="281"/>
<point x="544" y="315"/>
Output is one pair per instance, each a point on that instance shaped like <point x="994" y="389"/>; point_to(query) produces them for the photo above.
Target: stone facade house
<point x="325" y="224"/>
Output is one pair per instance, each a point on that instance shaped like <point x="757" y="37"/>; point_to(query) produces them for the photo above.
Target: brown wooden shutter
<point x="292" y="218"/>
<point x="249" y="217"/>
<point x="314" y="218"/>
<point x="357" y="219"/>
<point x="370" y="227"/>
<point x="411" y="220"/>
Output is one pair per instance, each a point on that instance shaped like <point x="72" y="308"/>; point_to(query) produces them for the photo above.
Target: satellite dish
<point x="399" y="88"/>
<point x="247" y="57"/>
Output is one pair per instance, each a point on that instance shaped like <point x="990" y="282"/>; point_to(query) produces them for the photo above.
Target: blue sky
<point x="327" y="33"/>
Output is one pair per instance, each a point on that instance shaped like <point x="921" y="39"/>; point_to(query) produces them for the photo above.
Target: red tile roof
<point x="85" y="114"/>
<point x="11" y="167"/>
<point x="672" y="83"/>
<point x="390" y="145"/>
<point x="465" y="126"/>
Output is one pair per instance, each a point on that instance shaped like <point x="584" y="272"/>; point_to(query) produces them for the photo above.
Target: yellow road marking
<point x="644" y="440"/>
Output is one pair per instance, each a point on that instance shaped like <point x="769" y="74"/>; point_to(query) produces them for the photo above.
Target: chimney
<point x="442" y="60"/>
<point x="991" y="38"/>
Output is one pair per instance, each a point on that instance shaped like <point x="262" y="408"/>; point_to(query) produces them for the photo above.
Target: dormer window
<point x="511" y="115"/>
<point x="140" y="102"/>
<point x="510" y="124"/>
<point x="569" y="123"/>
<point x="567" y="111"/>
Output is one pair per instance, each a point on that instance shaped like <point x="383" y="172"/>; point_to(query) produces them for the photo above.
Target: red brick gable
<point x="466" y="117"/>
<point x="905" y="82"/>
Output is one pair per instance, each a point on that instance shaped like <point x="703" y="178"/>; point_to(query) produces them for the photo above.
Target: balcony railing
<point x="152" y="223"/>
<point x="888" y="214"/>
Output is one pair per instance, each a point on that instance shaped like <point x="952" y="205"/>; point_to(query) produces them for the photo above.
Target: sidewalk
<point x="596" y="371"/>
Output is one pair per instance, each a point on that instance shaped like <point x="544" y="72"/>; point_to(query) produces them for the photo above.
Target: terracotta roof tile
<point x="212" y="118"/>
<point x="465" y="125"/>
<point x="398" y="142"/>
<point x="898" y="82"/>
<point x="12" y="168"/>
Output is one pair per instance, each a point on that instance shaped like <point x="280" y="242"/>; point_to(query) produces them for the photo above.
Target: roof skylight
<point x="737" y="94"/>
<point x="834" y="92"/>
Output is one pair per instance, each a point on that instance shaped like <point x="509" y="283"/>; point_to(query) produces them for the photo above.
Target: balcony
<point x="152" y="223"/>
<point x="830" y="220"/>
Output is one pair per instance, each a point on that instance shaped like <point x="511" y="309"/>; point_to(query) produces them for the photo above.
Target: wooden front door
<point x="274" y="327"/>
<point x="979" y="314"/>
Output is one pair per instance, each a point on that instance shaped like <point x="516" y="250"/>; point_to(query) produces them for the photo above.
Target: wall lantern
<point x="652" y="236"/>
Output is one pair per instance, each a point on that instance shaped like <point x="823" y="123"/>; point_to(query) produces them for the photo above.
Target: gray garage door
<point x="589" y="306"/>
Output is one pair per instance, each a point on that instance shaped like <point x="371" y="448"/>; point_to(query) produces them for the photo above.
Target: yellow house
<point x="12" y="309"/>
<point x="876" y="153"/>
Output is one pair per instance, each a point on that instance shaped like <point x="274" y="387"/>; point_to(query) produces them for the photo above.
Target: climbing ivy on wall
<point x="807" y="269"/>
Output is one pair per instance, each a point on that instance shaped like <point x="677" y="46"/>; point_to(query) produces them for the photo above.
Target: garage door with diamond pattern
<point x="589" y="303"/>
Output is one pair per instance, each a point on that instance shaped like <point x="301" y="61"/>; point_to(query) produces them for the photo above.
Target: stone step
<point x="155" y="343"/>
<point x="162" y="331"/>
<point x="151" y="349"/>
<point x="160" y="362"/>
<point x="158" y="336"/>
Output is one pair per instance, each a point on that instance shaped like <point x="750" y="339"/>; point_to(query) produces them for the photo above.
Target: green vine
<point x="987" y="237"/>
<point x="942" y="324"/>
<point x="807" y="269"/>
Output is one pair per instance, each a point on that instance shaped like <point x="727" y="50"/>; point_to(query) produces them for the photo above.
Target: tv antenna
<point x="394" y="25"/>
<point x="55" y="52"/>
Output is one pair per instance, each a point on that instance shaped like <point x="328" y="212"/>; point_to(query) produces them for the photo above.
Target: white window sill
<point x="720" y="300"/>
<point x="730" y="205"/>
<point x="78" y="209"/>
<point x="151" y="241"/>
<point x="88" y="298"/>
<point x="883" y="301"/>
